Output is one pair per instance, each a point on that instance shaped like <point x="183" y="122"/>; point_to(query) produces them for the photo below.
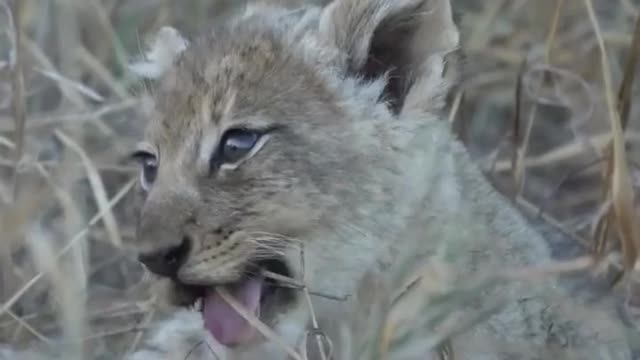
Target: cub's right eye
<point x="149" y="168"/>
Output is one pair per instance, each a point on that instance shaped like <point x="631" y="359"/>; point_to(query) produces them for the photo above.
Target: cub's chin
<point x="262" y="292"/>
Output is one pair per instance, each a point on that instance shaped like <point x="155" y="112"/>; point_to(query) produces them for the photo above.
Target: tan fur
<point x="361" y="184"/>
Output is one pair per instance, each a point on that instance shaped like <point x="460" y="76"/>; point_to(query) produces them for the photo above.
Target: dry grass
<point x="571" y="113"/>
<point x="548" y="107"/>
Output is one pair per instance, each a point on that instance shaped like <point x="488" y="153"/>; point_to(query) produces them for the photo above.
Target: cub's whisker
<point x="274" y="236"/>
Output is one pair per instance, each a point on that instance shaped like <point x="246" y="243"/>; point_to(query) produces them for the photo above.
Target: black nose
<point x="166" y="262"/>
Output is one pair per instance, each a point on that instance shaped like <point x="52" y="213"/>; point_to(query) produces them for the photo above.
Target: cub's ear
<point x="405" y="40"/>
<point x="165" y="48"/>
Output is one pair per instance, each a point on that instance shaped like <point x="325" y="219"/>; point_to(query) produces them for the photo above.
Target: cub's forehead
<point x="253" y="66"/>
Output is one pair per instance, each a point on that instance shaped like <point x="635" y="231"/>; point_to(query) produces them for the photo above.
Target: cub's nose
<point x="166" y="262"/>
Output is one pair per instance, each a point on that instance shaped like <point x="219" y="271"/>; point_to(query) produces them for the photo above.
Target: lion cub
<point x="306" y="146"/>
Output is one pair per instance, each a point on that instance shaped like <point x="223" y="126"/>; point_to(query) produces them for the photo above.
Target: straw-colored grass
<point x="548" y="107"/>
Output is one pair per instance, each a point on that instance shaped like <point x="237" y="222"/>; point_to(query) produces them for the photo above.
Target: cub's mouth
<point x="257" y="291"/>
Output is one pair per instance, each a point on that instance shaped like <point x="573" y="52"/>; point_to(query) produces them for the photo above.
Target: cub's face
<point x="265" y="135"/>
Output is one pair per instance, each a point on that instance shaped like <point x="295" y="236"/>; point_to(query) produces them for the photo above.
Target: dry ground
<point x="69" y="116"/>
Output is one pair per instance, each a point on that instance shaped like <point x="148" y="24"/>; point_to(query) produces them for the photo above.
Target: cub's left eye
<point x="236" y="144"/>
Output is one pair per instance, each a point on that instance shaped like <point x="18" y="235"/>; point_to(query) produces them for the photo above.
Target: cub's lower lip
<point x="258" y="295"/>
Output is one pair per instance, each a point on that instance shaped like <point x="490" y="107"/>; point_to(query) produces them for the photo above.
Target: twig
<point x="136" y="340"/>
<point x="196" y="346"/>
<point x="525" y="205"/>
<point x="455" y="107"/>
<point x="523" y="143"/>
<point x="80" y="235"/>
<point x="481" y="34"/>
<point x="568" y="175"/>
<point x="29" y="328"/>
<point x="553" y="268"/>
<point x="37" y="122"/>
<point x="114" y="332"/>
<point x="622" y="193"/>
<point x="97" y="187"/>
<point x="314" y="322"/>
<point x="552" y="31"/>
<point x="516" y="139"/>
<point x="101" y="72"/>
<point x="19" y="102"/>
<point x="565" y="152"/>
<point x="285" y="281"/>
<point x="624" y="93"/>
<point x="118" y="169"/>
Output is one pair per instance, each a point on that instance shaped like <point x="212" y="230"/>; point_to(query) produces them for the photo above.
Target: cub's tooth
<point x="198" y="304"/>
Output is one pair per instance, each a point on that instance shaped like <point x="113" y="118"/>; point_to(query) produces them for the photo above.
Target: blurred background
<point x="531" y="109"/>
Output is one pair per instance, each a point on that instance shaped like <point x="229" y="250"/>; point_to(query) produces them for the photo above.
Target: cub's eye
<point x="236" y="144"/>
<point x="149" y="171"/>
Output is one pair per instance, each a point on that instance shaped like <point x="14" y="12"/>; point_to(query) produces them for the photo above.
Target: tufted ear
<point x="399" y="39"/>
<point x="165" y="48"/>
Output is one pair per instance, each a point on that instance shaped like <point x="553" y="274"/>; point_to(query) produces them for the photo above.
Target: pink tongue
<point x="223" y="322"/>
